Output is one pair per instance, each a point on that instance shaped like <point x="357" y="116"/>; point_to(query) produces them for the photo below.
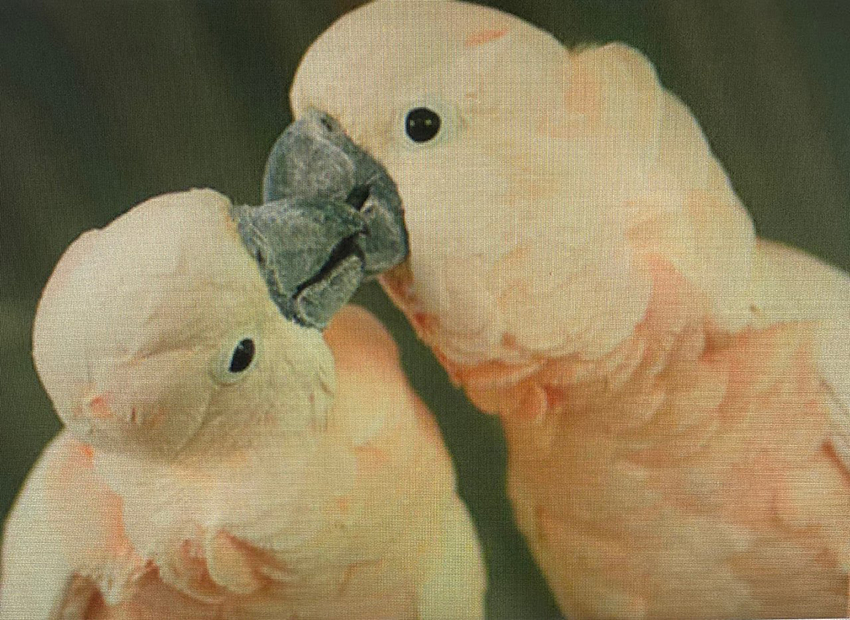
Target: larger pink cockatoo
<point x="674" y="391"/>
<point x="220" y="460"/>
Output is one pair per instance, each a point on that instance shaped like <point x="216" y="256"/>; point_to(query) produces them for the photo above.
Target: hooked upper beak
<point x="331" y="217"/>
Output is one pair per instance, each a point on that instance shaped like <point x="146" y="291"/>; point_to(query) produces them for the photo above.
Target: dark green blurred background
<point x="104" y="104"/>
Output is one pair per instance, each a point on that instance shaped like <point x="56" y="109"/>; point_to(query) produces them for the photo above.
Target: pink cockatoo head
<point x="160" y="325"/>
<point x="539" y="184"/>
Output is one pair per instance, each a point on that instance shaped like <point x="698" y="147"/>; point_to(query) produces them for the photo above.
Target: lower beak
<point x="307" y="253"/>
<point x="332" y="217"/>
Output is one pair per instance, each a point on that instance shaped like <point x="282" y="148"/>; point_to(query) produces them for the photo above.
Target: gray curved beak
<point x="331" y="218"/>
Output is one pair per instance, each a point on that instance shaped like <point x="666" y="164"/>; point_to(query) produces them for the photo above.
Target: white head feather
<point x="555" y="180"/>
<point x="136" y="329"/>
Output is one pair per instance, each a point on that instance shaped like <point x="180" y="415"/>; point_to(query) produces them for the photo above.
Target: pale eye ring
<point x="428" y="121"/>
<point x="236" y="359"/>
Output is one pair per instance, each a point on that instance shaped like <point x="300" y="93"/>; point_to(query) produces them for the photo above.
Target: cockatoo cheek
<point x="149" y="407"/>
<point x="463" y="252"/>
<point x="171" y="403"/>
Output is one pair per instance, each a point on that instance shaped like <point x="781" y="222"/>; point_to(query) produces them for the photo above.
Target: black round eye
<point x="242" y="355"/>
<point x="421" y="124"/>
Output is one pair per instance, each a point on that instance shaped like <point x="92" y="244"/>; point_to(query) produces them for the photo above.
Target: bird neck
<point x="675" y="330"/>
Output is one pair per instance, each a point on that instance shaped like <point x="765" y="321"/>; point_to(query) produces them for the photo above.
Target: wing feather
<point x="793" y="286"/>
<point x="37" y="580"/>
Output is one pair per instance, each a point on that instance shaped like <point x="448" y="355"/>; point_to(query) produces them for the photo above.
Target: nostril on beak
<point x="326" y="123"/>
<point x="358" y="196"/>
<point x="99" y="407"/>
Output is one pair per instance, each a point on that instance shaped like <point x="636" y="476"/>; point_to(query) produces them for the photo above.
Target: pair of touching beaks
<point x="331" y="217"/>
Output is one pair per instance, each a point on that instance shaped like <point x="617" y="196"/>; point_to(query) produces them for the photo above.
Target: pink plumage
<point x="308" y="483"/>
<point x="674" y="391"/>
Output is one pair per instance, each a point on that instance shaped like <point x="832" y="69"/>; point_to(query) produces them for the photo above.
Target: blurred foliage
<point x="104" y="104"/>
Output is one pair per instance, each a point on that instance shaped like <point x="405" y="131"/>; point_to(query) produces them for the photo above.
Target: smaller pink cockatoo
<point x="220" y="460"/>
<point x="674" y="391"/>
